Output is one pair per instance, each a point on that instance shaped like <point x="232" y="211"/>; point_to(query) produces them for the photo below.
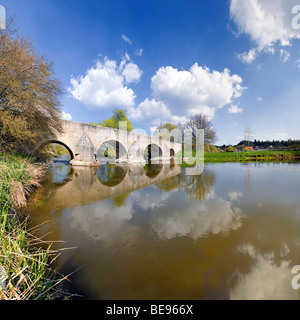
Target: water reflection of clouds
<point x="235" y="195"/>
<point x="151" y="199"/>
<point x="267" y="279"/>
<point x="172" y="214"/>
<point x="196" y="220"/>
<point x="99" y="221"/>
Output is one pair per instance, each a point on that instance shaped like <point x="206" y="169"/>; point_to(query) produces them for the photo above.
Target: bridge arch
<point x="42" y="145"/>
<point x="112" y="149"/>
<point x="152" y="151"/>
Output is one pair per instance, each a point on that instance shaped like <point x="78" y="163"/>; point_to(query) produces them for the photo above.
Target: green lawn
<point x="251" y="156"/>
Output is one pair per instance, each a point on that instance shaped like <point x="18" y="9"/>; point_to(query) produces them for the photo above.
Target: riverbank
<point x="25" y="272"/>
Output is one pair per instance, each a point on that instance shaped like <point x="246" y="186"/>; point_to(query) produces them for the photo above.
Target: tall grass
<point x="25" y="271"/>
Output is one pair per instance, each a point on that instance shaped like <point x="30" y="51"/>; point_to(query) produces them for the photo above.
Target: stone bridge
<point x="90" y="144"/>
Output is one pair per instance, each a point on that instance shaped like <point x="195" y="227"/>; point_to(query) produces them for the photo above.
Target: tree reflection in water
<point x="199" y="187"/>
<point x="119" y="201"/>
<point x="152" y="170"/>
<point x="170" y="184"/>
<point x="111" y="175"/>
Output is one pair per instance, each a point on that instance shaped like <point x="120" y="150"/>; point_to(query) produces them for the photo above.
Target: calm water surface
<point x="151" y="232"/>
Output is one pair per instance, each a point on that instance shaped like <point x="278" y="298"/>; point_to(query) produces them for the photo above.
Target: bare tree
<point x="200" y="121"/>
<point x="29" y="94"/>
<point x="248" y="135"/>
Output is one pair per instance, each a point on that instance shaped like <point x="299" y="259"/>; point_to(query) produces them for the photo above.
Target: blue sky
<point x="235" y="60"/>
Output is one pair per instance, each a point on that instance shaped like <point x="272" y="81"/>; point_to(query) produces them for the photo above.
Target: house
<point x="248" y="148"/>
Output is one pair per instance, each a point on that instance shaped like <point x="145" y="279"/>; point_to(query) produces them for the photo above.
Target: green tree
<point x="230" y="149"/>
<point x="113" y="122"/>
<point x="214" y="149"/>
<point x="29" y="94"/>
<point x="168" y="126"/>
<point x="206" y="148"/>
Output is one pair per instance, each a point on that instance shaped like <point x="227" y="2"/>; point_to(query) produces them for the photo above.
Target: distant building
<point x="249" y="148"/>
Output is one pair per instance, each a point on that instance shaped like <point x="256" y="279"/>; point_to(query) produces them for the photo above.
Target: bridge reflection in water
<point x="79" y="185"/>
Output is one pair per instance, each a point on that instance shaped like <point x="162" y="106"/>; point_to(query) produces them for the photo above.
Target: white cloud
<point x="154" y="112"/>
<point x="139" y="52"/>
<point x="235" y="109"/>
<point x="196" y="90"/>
<point x="66" y="116"/>
<point x="284" y="55"/>
<point x="281" y="135"/>
<point x="104" y="85"/>
<point x="151" y="110"/>
<point x="126" y="39"/>
<point x="248" y="57"/>
<point x="267" y="22"/>
<point x="276" y="136"/>
<point x="259" y="99"/>
<point x="179" y="94"/>
<point x="132" y="73"/>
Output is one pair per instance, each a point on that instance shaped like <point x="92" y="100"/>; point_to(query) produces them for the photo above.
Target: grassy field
<point x="24" y="267"/>
<point x="252" y="156"/>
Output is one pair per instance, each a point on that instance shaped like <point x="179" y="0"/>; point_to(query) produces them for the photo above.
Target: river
<point x="152" y="232"/>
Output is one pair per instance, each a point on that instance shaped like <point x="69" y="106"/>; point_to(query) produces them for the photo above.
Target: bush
<point x="214" y="149"/>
